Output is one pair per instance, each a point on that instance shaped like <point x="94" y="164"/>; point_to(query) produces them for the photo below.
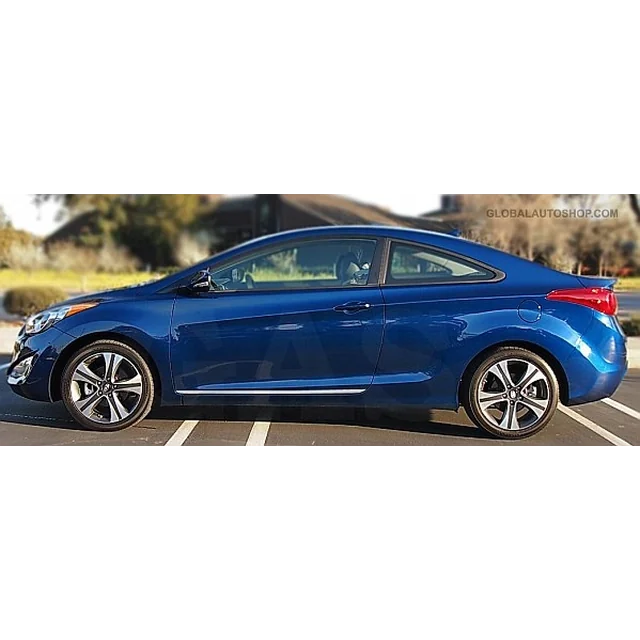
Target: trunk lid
<point x="596" y="281"/>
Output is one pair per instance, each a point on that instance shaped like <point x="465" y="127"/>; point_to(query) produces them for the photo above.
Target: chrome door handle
<point x="352" y="307"/>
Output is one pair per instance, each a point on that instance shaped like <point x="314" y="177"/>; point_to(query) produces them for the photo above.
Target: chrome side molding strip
<point x="268" y="392"/>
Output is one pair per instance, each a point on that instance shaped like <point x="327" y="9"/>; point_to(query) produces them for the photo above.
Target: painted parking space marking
<point x="596" y="428"/>
<point x="3" y="367"/>
<point x="258" y="435"/>
<point x="622" y="407"/>
<point x="182" y="433"/>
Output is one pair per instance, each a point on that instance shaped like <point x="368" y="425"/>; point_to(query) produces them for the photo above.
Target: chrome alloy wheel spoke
<point x="111" y="396"/>
<point x="132" y="385"/>
<point x="514" y="394"/>
<point x="490" y="398"/>
<point x="84" y="374"/>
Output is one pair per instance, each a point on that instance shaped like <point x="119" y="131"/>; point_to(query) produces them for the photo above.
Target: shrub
<point x="112" y="258"/>
<point x="66" y="256"/>
<point x="24" y="301"/>
<point x="190" y="249"/>
<point x="631" y="326"/>
<point x="25" y="255"/>
<point x="10" y="237"/>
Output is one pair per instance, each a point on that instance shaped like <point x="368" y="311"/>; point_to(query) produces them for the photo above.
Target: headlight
<point x="41" y="321"/>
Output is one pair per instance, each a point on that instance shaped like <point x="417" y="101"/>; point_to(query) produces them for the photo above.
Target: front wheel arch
<point x="72" y="348"/>
<point x="553" y="362"/>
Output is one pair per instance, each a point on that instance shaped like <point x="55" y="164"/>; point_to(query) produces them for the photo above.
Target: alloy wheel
<point x="106" y="387"/>
<point x="514" y="394"/>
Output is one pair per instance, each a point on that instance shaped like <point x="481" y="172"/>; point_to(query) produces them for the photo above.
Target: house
<point x="224" y="222"/>
<point x="234" y="220"/>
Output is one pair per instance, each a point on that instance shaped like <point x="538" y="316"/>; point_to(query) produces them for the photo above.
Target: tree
<point x="149" y="225"/>
<point x="515" y="231"/>
<point x="635" y="206"/>
<point x="616" y="244"/>
<point x="154" y="224"/>
<point x="26" y="256"/>
<point x="581" y="242"/>
<point x="191" y="249"/>
<point x="11" y="243"/>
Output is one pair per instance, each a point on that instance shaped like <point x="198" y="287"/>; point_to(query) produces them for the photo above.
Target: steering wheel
<point x="222" y="284"/>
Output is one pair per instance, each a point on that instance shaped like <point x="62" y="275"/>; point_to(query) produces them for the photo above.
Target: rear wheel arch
<point x="553" y="362"/>
<point x="72" y="348"/>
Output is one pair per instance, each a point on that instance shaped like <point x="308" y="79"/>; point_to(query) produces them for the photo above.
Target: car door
<point x="434" y="301"/>
<point x="303" y="317"/>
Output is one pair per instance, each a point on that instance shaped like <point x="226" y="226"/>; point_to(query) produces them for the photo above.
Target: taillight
<point x="598" y="298"/>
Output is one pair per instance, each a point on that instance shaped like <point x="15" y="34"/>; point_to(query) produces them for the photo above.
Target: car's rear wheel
<point x="512" y="394"/>
<point x="107" y="386"/>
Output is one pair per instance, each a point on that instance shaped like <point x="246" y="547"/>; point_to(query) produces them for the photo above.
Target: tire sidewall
<point x="119" y="348"/>
<point x="472" y="404"/>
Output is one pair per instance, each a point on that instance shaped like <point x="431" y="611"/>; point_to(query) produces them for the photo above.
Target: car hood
<point x="123" y="293"/>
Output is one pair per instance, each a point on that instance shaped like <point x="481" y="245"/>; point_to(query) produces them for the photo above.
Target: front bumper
<point x="33" y="362"/>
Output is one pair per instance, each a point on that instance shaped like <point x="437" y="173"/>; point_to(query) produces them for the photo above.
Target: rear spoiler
<point x="595" y="281"/>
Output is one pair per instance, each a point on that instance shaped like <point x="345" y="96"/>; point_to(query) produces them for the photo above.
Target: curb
<point x="633" y="352"/>
<point x="7" y="338"/>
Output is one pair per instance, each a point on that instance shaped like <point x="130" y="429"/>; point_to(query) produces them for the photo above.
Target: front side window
<point x="301" y="265"/>
<point x="414" y="264"/>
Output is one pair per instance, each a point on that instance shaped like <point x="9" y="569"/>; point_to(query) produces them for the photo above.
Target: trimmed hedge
<point x="24" y="301"/>
<point x="631" y="326"/>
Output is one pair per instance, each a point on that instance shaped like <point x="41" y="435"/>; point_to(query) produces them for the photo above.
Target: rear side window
<point x="415" y="264"/>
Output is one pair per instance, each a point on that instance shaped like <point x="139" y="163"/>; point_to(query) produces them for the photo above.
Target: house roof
<point x="82" y="224"/>
<point x="338" y="210"/>
<point x="327" y="209"/>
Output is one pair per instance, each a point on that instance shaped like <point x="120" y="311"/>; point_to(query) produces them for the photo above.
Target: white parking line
<point x="258" y="435"/>
<point x="3" y="367"/>
<point x="622" y="407"/>
<point x="596" y="428"/>
<point x="182" y="433"/>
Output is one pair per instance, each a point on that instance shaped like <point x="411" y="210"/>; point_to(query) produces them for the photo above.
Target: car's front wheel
<point x="107" y="386"/>
<point x="512" y="394"/>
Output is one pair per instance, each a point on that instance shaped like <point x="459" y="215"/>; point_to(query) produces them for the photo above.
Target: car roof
<point x="433" y="238"/>
<point x="369" y="230"/>
<point x="513" y="266"/>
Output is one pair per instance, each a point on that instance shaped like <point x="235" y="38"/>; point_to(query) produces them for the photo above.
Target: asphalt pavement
<point x="629" y="302"/>
<point x="605" y="423"/>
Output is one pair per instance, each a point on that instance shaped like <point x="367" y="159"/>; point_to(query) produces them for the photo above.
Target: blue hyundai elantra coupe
<point x="356" y="316"/>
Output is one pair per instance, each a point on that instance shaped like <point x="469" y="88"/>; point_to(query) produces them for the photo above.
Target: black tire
<point x="147" y="393"/>
<point x="470" y="393"/>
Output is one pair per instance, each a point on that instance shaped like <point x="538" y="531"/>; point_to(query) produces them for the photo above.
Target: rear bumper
<point x="599" y="363"/>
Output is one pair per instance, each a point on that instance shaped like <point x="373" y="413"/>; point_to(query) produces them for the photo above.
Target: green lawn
<point x="270" y="275"/>
<point x="70" y="281"/>
<point x="628" y="284"/>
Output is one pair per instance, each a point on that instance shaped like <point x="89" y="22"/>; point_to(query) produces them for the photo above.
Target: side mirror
<point x="201" y="282"/>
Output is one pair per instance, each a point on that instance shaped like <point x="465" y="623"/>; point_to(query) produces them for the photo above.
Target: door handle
<point x="352" y="307"/>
